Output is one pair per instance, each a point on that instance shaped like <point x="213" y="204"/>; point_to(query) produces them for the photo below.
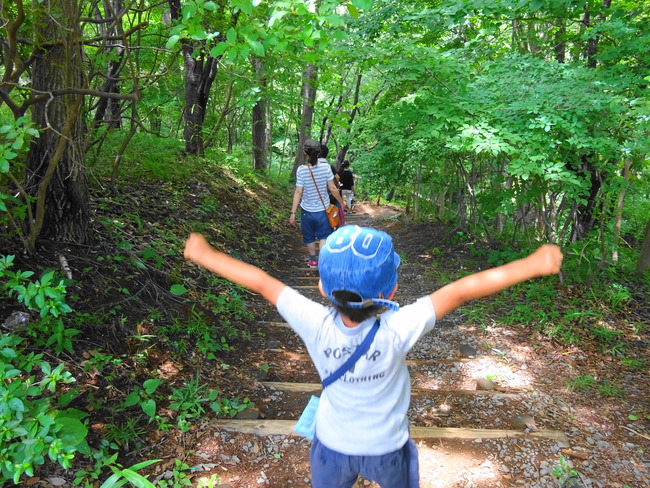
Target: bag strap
<point x="319" y="195"/>
<point x="359" y="351"/>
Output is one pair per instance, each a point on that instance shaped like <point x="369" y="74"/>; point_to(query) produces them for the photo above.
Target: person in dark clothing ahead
<point x="346" y="180"/>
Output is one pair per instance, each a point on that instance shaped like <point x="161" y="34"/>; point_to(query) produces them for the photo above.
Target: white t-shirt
<point x="310" y="201"/>
<point x="364" y="411"/>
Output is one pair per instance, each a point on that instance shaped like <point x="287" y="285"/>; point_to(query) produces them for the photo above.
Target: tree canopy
<point x="525" y="118"/>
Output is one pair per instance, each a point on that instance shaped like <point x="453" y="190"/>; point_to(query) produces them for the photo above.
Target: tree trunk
<point x="560" y="44"/>
<point x="55" y="166"/>
<point x="260" y="121"/>
<point x="200" y="70"/>
<point x="344" y="150"/>
<point x="644" y="259"/>
<point x="584" y="217"/>
<point x="309" y="79"/>
<point x="619" y="209"/>
<point x="199" y="74"/>
<point x="591" y="48"/>
<point x="105" y="105"/>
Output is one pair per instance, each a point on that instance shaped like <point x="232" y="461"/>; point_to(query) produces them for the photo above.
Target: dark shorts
<point x="331" y="469"/>
<point x="314" y="226"/>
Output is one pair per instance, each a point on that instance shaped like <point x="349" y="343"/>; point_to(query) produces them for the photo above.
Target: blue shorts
<point x="315" y="226"/>
<point x="397" y="469"/>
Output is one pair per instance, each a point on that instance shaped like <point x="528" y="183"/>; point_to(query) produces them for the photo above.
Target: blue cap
<point x="359" y="260"/>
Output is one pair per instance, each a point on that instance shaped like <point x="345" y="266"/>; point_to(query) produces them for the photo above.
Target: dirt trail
<point x="512" y="434"/>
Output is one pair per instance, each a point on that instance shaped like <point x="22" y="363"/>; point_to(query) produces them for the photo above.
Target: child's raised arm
<point x="546" y="260"/>
<point x="251" y="277"/>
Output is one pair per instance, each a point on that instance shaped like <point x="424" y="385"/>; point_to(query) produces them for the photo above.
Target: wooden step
<point x="285" y="427"/>
<point x="316" y="387"/>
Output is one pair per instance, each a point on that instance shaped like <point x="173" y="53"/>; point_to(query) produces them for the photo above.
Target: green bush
<point x="31" y="427"/>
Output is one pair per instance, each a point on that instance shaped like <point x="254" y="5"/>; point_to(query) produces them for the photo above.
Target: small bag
<point x="333" y="216"/>
<point x="307" y="422"/>
<point x="332" y="211"/>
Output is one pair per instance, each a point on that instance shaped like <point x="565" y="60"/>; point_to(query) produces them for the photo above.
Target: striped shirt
<point x="311" y="202"/>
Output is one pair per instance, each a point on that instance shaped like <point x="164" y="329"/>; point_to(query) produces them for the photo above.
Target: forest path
<point x="510" y="434"/>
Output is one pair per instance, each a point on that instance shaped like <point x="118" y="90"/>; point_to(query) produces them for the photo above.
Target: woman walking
<point x="312" y="182"/>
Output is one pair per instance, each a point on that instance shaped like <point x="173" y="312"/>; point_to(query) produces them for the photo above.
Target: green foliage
<point x="125" y="434"/>
<point x="564" y="472"/>
<point x="144" y="397"/>
<point x="581" y="383"/>
<point x="179" y="476"/>
<point x="121" y="476"/>
<point x="31" y="427"/>
<point x="608" y="389"/>
<point x="15" y="138"/>
<point x="47" y="296"/>
<point x="190" y="400"/>
<point x="587" y="383"/>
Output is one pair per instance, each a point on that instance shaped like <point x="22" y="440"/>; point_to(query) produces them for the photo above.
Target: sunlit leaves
<point x="276" y="27"/>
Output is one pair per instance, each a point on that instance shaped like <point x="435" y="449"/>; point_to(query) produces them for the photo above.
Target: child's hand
<point x="195" y="246"/>
<point x="547" y="259"/>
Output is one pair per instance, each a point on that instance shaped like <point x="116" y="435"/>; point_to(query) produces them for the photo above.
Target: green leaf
<point x="149" y="407"/>
<point x="277" y="15"/>
<point x="151" y="385"/>
<point x="632" y="417"/>
<point x="115" y="481"/>
<point x="210" y="6"/>
<point x="231" y="35"/>
<point x="257" y="48"/>
<point x="72" y="432"/>
<point x="178" y="290"/>
<point x="354" y="12"/>
<point x="131" y="399"/>
<point x="16" y="405"/>
<point x="219" y="49"/>
<point x="66" y="398"/>
<point x="172" y="41"/>
<point x="137" y="479"/>
<point x="362" y="4"/>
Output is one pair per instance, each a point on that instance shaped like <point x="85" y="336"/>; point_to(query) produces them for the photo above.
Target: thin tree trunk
<point x="260" y="121"/>
<point x="111" y="84"/>
<point x="309" y="79"/>
<point x="357" y="87"/>
<point x="560" y="44"/>
<point x="225" y="109"/>
<point x="123" y="146"/>
<point x="644" y="258"/>
<point x="619" y="209"/>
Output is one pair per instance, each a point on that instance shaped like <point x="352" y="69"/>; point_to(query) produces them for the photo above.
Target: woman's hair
<point x="313" y="153"/>
<point x="355" y="314"/>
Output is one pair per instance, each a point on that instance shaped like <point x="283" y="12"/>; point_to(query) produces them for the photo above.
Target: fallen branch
<point x="637" y="433"/>
<point x="65" y="266"/>
<point x="575" y="454"/>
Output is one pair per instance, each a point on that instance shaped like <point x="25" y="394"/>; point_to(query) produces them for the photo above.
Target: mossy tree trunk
<point x="55" y="173"/>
